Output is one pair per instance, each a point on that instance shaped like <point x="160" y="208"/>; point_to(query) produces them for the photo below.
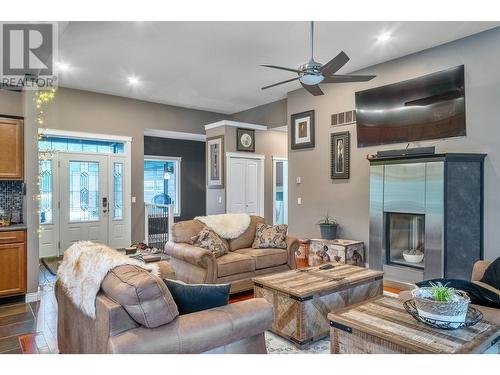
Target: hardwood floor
<point x="30" y="327"/>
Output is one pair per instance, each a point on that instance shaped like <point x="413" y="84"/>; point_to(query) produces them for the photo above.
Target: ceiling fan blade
<point x="313" y="89"/>
<point x="347" y="78"/>
<point x="334" y="64"/>
<point x="281" y="68"/>
<point x="280" y="83"/>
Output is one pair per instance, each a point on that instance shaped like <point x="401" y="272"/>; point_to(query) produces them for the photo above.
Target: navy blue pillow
<point x="477" y="294"/>
<point x="492" y="274"/>
<point x="191" y="298"/>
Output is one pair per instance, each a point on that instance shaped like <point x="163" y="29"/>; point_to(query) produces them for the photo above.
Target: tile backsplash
<point x="11" y="196"/>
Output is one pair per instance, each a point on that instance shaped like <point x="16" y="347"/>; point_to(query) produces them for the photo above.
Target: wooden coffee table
<point x="383" y="326"/>
<point x="303" y="298"/>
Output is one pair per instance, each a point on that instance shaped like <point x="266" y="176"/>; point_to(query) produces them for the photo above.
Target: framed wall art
<point x="245" y="140"/>
<point x="340" y="155"/>
<point x="215" y="162"/>
<point x="302" y="130"/>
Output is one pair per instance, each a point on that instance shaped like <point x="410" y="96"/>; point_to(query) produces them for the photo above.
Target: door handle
<point x="104" y="204"/>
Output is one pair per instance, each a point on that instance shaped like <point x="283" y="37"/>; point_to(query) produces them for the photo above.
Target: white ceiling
<point x="214" y="65"/>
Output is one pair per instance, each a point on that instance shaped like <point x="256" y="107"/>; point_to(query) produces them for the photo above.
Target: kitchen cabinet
<point x="11" y="149"/>
<point x="12" y="263"/>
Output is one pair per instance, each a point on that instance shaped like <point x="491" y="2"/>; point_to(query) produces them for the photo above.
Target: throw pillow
<point x="477" y="294"/>
<point x="267" y="236"/>
<point x="191" y="298"/>
<point x="492" y="274"/>
<point x="208" y="239"/>
<point x="143" y="295"/>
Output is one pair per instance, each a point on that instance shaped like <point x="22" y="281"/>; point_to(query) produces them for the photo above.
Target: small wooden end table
<point x="303" y="298"/>
<point x="383" y="326"/>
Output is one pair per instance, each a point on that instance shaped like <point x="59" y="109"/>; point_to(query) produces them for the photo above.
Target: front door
<point x="84" y="200"/>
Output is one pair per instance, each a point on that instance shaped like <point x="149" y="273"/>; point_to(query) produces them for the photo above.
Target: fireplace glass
<point x="406" y="234"/>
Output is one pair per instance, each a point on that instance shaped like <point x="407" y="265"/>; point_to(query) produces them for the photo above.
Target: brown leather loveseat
<point x="199" y="266"/>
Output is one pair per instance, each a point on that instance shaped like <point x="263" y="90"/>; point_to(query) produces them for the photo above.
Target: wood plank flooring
<point x="30" y="327"/>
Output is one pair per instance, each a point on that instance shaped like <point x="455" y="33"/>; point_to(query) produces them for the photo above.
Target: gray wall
<point x="85" y="111"/>
<point x="348" y="200"/>
<point x="11" y="103"/>
<point x="269" y="143"/>
<point x="271" y="114"/>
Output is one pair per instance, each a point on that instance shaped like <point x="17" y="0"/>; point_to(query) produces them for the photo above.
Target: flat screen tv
<point x="428" y="107"/>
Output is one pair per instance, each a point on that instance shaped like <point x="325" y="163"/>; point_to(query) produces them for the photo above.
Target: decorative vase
<point x="454" y="311"/>
<point x="328" y="231"/>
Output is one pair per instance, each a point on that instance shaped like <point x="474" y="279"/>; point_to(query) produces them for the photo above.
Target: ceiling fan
<point x="312" y="73"/>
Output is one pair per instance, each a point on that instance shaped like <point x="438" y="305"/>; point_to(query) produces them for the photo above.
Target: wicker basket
<point x="454" y="311"/>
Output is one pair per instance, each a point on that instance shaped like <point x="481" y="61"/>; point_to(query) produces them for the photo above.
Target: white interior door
<point x="237" y="173"/>
<point x="252" y="187"/>
<point x="84" y="200"/>
<point x="245" y="185"/>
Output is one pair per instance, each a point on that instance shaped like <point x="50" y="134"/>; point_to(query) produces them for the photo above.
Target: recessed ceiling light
<point x="384" y="37"/>
<point x="132" y="80"/>
<point x="62" y="66"/>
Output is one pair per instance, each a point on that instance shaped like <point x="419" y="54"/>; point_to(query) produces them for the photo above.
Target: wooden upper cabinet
<point x="11" y="149"/>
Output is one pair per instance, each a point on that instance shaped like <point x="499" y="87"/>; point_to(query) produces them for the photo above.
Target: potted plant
<point x="328" y="228"/>
<point x="439" y="302"/>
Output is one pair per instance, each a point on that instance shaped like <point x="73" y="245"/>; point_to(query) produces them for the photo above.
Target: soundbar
<point x="406" y="152"/>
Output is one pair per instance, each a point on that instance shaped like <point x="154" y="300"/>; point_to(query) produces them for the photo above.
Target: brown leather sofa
<point x="135" y="313"/>
<point x="199" y="266"/>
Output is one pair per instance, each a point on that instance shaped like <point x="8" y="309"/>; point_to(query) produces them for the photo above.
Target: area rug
<point x="52" y="264"/>
<point x="278" y="345"/>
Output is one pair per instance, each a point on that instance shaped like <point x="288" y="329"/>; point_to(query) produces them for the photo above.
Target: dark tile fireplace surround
<point x="431" y="203"/>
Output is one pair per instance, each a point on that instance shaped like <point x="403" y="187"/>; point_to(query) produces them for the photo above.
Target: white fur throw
<point x="227" y="226"/>
<point x="85" y="265"/>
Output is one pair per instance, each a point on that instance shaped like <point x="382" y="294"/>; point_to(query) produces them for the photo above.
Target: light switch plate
<point x="299" y="180"/>
<point x="299" y="200"/>
<point x="133" y="199"/>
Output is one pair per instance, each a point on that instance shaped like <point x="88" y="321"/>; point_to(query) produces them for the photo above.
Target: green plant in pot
<point x="442" y="303"/>
<point x="328" y="227"/>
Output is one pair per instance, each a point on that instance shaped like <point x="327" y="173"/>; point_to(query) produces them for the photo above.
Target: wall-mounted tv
<point x="428" y="107"/>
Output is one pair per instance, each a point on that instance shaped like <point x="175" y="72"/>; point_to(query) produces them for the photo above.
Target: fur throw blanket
<point x="227" y="226"/>
<point x="84" y="267"/>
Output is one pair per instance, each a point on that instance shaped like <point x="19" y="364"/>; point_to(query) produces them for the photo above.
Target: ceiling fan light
<point x="311" y="79"/>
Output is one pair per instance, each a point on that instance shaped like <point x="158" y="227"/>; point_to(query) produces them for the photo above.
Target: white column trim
<point x="244" y="155"/>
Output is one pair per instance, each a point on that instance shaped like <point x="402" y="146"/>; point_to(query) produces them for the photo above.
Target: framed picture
<point x="215" y="162"/>
<point x="245" y="140"/>
<point x="302" y="132"/>
<point x="340" y="154"/>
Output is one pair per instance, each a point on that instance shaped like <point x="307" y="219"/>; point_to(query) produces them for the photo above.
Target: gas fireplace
<point x="426" y="216"/>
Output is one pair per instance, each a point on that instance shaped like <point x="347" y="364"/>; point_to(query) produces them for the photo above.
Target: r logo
<point x="27" y="49"/>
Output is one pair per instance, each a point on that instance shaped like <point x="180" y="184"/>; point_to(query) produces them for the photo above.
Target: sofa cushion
<point x="184" y="231"/>
<point x="267" y="236"/>
<point x="265" y="258"/>
<point x="208" y="239"/>
<point x="143" y="295"/>
<point x="234" y="263"/>
<point x="191" y="298"/>
<point x="246" y="239"/>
